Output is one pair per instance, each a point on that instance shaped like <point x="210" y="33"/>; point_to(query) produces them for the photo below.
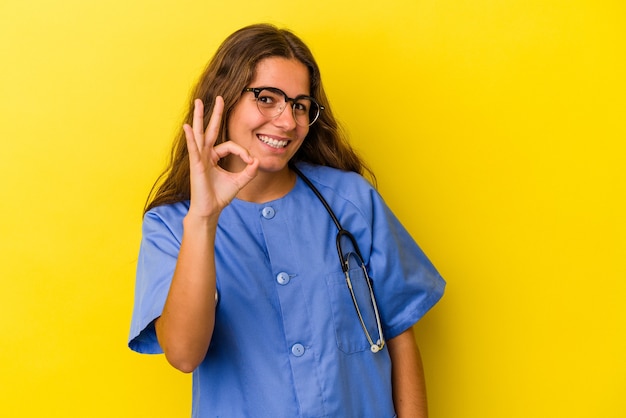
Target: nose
<point x="285" y="118"/>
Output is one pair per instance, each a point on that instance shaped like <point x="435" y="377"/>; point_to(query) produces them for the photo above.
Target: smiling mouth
<point x="274" y="143"/>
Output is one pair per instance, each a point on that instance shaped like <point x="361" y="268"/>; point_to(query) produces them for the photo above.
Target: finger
<point x="192" y="146"/>
<point x="245" y="176"/>
<point x="213" y="128"/>
<point x="251" y="169"/>
<point x="231" y="148"/>
<point x="198" y="122"/>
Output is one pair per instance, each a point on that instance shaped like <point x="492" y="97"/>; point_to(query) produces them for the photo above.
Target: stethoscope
<point x="345" y="266"/>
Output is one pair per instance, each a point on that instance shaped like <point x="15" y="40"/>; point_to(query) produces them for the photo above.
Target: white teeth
<point x="274" y="143"/>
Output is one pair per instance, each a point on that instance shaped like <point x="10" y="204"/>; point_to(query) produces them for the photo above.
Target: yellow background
<point x="496" y="129"/>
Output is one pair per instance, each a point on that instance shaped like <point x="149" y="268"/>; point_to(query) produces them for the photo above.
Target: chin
<point x="273" y="166"/>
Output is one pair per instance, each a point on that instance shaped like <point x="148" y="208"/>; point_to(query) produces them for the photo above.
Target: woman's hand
<point x="212" y="187"/>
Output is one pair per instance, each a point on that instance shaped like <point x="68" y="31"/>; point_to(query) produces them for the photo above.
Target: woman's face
<point x="273" y="141"/>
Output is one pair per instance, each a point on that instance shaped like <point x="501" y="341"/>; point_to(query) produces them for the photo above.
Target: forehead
<point x="289" y="75"/>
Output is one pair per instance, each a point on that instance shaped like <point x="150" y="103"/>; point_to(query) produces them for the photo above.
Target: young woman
<point x="269" y="267"/>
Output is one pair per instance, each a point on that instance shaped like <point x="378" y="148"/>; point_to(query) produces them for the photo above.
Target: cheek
<point x="239" y="124"/>
<point x="244" y="115"/>
<point x="302" y="132"/>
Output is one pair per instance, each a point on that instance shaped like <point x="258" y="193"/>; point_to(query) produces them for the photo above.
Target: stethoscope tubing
<point x="345" y="265"/>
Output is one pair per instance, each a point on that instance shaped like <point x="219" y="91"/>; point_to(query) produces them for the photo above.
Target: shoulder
<point x="343" y="183"/>
<point x="348" y="193"/>
<point x="166" y="216"/>
<point x="173" y="210"/>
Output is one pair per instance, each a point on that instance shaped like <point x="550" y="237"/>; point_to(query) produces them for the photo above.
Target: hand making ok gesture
<point x="212" y="187"/>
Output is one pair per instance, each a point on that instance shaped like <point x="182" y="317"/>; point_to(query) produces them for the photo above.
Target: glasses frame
<point x="257" y="90"/>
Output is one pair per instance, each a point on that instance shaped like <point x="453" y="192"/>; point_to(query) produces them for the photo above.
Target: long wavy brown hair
<point x="227" y="74"/>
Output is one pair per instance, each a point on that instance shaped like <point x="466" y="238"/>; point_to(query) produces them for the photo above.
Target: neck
<point x="268" y="186"/>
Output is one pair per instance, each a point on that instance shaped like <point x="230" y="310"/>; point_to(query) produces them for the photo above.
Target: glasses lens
<point x="270" y="102"/>
<point x="305" y="111"/>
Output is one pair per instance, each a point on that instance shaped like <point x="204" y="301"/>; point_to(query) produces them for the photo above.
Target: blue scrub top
<point x="287" y="339"/>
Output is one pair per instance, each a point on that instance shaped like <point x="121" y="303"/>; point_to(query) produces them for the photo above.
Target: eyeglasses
<point x="272" y="101"/>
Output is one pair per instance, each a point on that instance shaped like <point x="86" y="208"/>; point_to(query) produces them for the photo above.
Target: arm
<point x="409" y="388"/>
<point x="185" y="326"/>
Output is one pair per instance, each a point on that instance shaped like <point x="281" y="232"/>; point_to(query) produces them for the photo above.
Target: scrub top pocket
<point x="348" y="330"/>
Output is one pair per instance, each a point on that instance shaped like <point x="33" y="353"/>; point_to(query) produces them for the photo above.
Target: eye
<point x="301" y="106"/>
<point x="266" y="98"/>
<point x="269" y="98"/>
